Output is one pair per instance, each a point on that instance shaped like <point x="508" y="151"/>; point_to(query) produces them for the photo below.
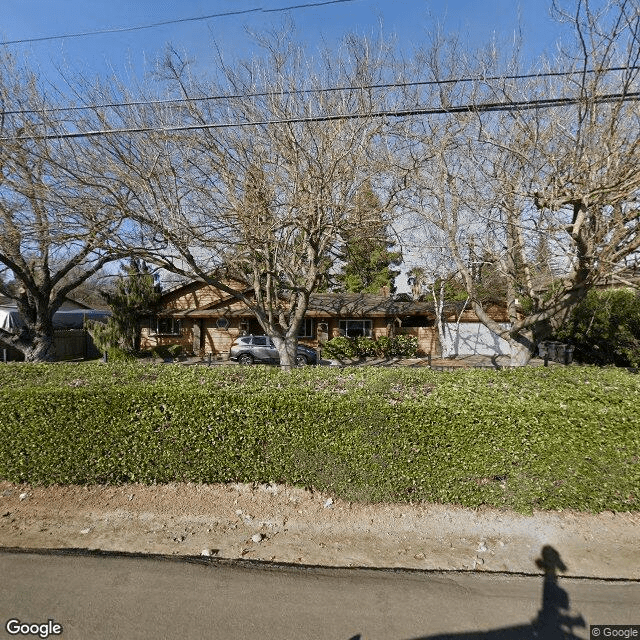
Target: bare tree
<point x="55" y="230"/>
<point x="254" y="192"/>
<point x="434" y="280"/>
<point x="547" y="188"/>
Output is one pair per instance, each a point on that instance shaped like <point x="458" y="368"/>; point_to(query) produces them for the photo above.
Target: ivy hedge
<point x="551" y="438"/>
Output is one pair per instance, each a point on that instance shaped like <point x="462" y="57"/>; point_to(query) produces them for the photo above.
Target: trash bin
<point x="543" y="349"/>
<point x="551" y="350"/>
<point x="568" y="354"/>
<point x="560" y="352"/>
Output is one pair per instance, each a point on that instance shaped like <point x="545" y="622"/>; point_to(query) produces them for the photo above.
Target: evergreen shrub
<point x="341" y="348"/>
<point x="534" y="438"/>
<point x="605" y="328"/>
<point x="116" y="354"/>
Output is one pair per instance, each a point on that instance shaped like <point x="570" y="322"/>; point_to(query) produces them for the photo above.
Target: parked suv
<point x="250" y="349"/>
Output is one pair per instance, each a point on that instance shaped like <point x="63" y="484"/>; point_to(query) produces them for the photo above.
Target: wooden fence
<point x="72" y="344"/>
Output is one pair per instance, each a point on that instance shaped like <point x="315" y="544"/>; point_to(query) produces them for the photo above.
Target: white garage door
<point x="473" y="338"/>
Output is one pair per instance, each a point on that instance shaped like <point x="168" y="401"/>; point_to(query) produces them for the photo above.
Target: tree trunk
<point x="36" y="338"/>
<point x="522" y="348"/>
<point x="287" y="350"/>
<point x="446" y="346"/>
<point x="40" y="349"/>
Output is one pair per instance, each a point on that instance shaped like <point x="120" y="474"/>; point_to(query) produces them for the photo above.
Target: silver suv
<point x="250" y="349"/>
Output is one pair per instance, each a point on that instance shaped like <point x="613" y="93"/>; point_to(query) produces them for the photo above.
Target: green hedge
<point x="401" y="346"/>
<point x="531" y="438"/>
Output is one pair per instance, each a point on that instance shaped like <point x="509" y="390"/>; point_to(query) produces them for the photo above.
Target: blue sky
<point x="408" y="20"/>
<point x="124" y="52"/>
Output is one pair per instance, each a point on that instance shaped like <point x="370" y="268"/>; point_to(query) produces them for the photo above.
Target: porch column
<point x="322" y="330"/>
<point x="197" y="333"/>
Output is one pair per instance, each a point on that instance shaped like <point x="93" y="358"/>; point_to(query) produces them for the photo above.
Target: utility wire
<point x="266" y="94"/>
<point x="467" y="108"/>
<point x="176" y="21"/>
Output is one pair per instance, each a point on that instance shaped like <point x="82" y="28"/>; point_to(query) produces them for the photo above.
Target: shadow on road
<point x="553" y="621"/>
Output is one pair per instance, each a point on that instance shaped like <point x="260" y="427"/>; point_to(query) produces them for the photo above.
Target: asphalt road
<point x="126" y="597"/>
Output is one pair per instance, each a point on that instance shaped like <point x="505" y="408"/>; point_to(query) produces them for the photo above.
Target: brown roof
<point x="344" y="305"/>
<point x="363" y="304"/>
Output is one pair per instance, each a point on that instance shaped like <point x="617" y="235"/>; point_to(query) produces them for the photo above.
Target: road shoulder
<point x="282" y="524"/>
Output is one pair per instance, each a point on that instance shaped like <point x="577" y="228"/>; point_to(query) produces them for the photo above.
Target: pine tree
<point x="135" y="294"/>
<point x="366" y="251"/>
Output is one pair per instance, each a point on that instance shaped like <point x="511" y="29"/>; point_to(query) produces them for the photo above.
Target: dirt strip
<point x="284" y="524"/>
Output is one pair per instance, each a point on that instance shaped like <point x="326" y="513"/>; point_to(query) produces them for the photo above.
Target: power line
<point x="266" y="94"/>
<point x="306" y="5"/>
<point x="545" y="103"/>
<point x="175" y="21"/>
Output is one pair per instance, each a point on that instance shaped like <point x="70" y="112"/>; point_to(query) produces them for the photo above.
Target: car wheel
<point x="301" y="360"/>
<point x="245" y="358"/>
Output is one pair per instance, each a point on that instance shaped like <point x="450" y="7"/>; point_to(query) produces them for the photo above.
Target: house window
<point x="168" y="326"/>
<point x="222" y="323"/>
<point x="417" y="321"/>
<point x="306" y="328"/>
<point x="355" y="328"/>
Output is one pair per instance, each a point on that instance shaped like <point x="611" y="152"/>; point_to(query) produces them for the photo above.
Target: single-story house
<point x="205" y="320"/>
